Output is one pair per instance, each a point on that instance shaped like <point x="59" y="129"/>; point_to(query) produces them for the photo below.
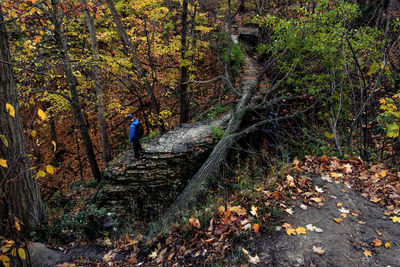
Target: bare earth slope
<point x="344" y="242"/>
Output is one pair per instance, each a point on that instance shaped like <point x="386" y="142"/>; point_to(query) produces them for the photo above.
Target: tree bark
<point x="19" y="193"/>
<point x="76" y="106"/>
<point x="229" y="44"/>
<point x="105" y="143"/>
<point x="184" y="112"/>
<point x="130" y="50"/>
<point x="209" y="171"/>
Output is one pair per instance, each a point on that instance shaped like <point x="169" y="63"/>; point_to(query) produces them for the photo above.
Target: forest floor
<point x="345" y="229"/>
<point x="328" y="212"/>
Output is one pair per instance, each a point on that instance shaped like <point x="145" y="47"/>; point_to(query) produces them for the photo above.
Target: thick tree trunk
<point x="76" y="106"/>
<point x="105" y="143"/>
<point x="19" y="193"/>
<point x="209" y="171"/>
<point x="130" y="50"/>
<point x="184" y="113"/>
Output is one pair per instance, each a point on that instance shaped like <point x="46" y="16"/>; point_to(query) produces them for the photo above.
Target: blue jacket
<point x="132" y="130"/>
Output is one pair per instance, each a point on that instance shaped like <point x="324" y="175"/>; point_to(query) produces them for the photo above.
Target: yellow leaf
<point x="14" y="252"/>
<point x="383" y="173"/>
<point x="10" y="109"/>
<point x="50" y="169"/>
<point x="2" y="137"/>
<point x="6" y="261"/>
<point x="42" y="115"/>
<point x="339" y="204"/>
<point x="395" y="219"/>
<point x="291" y="231"/>
<point x="301" y="230"/>
<point x="377" y="242"/>
<point x="40" y="174"/>
<point x="344" y="215"/>
<point x="388" y="245"/>
<point x="21" y="253"/>
<point x="3" y="163"/>
<point x="375" y="199"/>
<point x="329" y="135"/>
<point x="367" y="253"/>
<point x="18" y="226"/>
<point x="55" y="145"/>
<point x="33" y="133"/>
<point x="238" y="210"/>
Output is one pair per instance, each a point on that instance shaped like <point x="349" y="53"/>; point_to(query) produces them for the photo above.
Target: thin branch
<point x="24" y="68"/>
<point x="220" y="77"/>
<point x="53" y="92"/>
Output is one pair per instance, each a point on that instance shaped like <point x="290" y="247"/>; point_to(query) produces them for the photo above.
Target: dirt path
<point x="344" y="242"/>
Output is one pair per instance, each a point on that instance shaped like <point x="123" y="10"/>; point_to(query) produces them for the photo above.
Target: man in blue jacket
<point x="133" y="138"/>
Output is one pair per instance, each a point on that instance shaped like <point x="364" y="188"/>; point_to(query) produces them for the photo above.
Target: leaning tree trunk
<point x="19" y="193"/>
<point x="209" y="171"/>
<point x="105" y="143"/>
<point x="76" y="106"/>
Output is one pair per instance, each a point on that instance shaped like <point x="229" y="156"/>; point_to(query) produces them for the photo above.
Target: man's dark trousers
<point x="137" y="147"/>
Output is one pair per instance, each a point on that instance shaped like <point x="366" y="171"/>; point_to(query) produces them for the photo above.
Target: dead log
<point x="209" y="171"/>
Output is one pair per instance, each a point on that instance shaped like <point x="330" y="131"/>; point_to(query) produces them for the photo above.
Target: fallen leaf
<point x="379" y="233"/>
<point x="289" y="210"/>
<point x="170" y="256"/>
<point x="361" y="222"/>
<point x="254" y="260"/>
<point x="291" y="231"/>
<point x="221" y="209"/>
<point x="367" y="253"/>
<point x="375" y="199"/>
<point x="194" y="222"/>
<point x="395" y="219"/>
<point x="319" y="189"/>
<point x="256" y="227"/>
<point x="377" y="242"/>
<point x="339" y="204"/>
<point x="253" y="210"/>
<point x="343" y="210"/>
<point x="301" y="230"/>
<point x="388" y="245"/>
<point x="303" y="207"/>
<point x="245" y="251"/>
<point x="338" y="220"/>
<point x="344" y="215"/>
<point x="286" y="226"/>
<point x="238" y="210"/>
<point x="318" y="250"/>
<point x="316" y="199"/>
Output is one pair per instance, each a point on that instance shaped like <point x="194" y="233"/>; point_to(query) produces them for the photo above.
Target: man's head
<point x="129" y="117"/>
